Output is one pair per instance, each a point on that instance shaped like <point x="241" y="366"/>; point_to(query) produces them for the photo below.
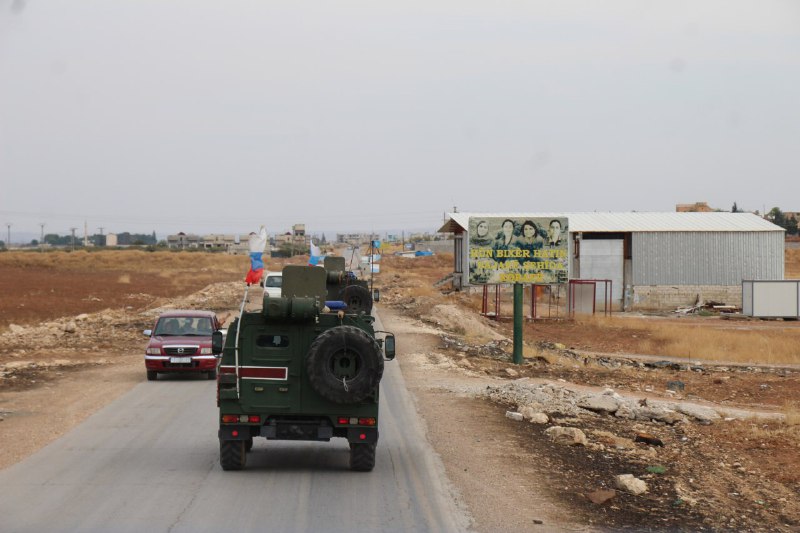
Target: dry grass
<point x="792" y="263"/>
<point x="791" y="412"/>
<point x="125" y="279"/>
<point x="709" y="339"/>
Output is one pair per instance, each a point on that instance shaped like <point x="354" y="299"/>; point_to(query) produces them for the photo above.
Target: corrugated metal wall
<point x="706" y="258"/>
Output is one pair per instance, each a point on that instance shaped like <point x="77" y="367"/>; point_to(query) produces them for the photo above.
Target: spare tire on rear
<point x="344" y="364"/>
<point x="357" y="299"/>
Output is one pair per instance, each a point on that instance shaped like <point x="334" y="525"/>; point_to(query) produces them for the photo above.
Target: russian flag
<point x="257" y="244"/>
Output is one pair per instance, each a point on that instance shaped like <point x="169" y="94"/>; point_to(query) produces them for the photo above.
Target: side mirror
<point x="216" y="342"/>
<point x="148" y="333"/>
<point x="388" y="347"/>
<point x="376" y="295"/>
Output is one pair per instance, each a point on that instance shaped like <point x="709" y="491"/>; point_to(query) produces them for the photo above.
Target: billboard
<point x="518" y="250"/>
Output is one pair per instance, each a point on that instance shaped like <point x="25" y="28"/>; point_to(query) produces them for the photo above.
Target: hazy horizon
<point x="211" y="117"/>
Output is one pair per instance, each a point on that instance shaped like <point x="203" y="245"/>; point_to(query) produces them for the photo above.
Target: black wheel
<point x="212" y="374"/>
<point x="362" y="456"/>
<point x="344" y="364"/>
<point x="152" y="375"/>
<point x="248" y="444"/>
<point x="232" y="455"/>
<point x="357" y="299"/>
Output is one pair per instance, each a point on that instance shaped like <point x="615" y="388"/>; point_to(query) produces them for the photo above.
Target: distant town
<point x="296" y="241"/>
<point x="284" y="244"/>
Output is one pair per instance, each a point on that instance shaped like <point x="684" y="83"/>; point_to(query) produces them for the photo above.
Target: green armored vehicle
<point x="342" y="284"/>
<point x="300" y="369"/>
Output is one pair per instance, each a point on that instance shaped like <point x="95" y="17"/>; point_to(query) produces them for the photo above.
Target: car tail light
<point x="254" y="419"/>
<point x="344" y="421"/>
<point x="230" y="419"/>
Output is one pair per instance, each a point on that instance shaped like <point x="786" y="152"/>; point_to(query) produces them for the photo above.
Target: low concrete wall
<point x="666" y="297"/>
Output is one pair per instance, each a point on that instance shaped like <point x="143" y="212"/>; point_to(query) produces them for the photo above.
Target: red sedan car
<point x="181" y="342"/>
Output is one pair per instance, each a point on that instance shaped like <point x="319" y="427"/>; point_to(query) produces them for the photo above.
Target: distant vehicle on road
<point x="181" y="342"/>
<point x="272" y="284"/>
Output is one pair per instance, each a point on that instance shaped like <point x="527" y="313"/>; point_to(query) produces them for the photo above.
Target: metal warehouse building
<point x="656" y="260"/>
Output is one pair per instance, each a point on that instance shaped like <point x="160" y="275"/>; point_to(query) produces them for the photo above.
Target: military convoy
<point x="304" y="367"/>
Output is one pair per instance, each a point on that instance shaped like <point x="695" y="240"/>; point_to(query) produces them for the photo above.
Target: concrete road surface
<point x="149" y="462"/>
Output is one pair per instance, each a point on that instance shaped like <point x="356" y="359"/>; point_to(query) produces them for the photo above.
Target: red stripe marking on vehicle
<point x="258" y="372"/>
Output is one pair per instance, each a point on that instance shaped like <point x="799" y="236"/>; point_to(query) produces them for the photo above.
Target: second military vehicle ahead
<point x="301" y="368"/>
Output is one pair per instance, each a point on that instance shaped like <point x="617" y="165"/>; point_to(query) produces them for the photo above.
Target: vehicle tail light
<point x="344" y="421"/>
<point x="235" y="433"/>
<point x="363" y="436"/>
<point x="254" y="419"/>
<point x="230" y="419"/>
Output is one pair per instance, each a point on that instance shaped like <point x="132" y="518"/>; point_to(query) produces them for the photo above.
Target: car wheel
<point x="362" y="456"/>
<point x="357" y="299"/>
<point x="232" y="455"/>
<point x="152" y="375"/>
<point x="344" y="365"/>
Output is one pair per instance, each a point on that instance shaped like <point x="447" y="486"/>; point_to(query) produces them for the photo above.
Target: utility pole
<point x="8" y="239"/>
<point x="73" y="238"/>
<point x="41" y="241"/>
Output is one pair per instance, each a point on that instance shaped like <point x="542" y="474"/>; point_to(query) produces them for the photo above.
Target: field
<point x="71" y="323"/>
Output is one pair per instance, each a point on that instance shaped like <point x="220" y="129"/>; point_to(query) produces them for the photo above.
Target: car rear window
<point x="274" y="281"/>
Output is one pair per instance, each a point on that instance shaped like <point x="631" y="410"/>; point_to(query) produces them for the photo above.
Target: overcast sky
<point x="198" y="116"/>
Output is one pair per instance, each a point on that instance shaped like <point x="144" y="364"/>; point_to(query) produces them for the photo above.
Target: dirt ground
<point x="75" y="335"/>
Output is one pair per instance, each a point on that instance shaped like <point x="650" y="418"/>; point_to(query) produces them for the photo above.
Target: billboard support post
<point x="518" y="323"/>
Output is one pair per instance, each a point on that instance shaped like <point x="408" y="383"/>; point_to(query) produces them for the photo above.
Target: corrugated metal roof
<point x="634" y="221"/>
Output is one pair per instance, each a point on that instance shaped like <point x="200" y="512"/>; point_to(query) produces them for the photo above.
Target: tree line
<point x="784" y="220"/>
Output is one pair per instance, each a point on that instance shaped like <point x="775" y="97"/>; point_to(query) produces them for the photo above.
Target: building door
<point x="604" y="259"/>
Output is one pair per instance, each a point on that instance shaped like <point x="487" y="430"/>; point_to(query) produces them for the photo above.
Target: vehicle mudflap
<point x="226" y="432"/>
<point x="370" y="435"/>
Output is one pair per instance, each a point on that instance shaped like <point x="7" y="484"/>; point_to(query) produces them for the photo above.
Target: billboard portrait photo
<point x="514" y="250"/>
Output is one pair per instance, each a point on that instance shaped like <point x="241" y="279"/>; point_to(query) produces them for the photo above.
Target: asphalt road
<point x="149" y="462"/>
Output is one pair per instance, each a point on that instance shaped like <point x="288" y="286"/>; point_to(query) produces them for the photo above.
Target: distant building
<point x="183" y="240"/>
<point x="111" y="239"/>
<point x="353" y="239"/>
<point x="697" y="207"/>
<point x="218" y="242"/>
